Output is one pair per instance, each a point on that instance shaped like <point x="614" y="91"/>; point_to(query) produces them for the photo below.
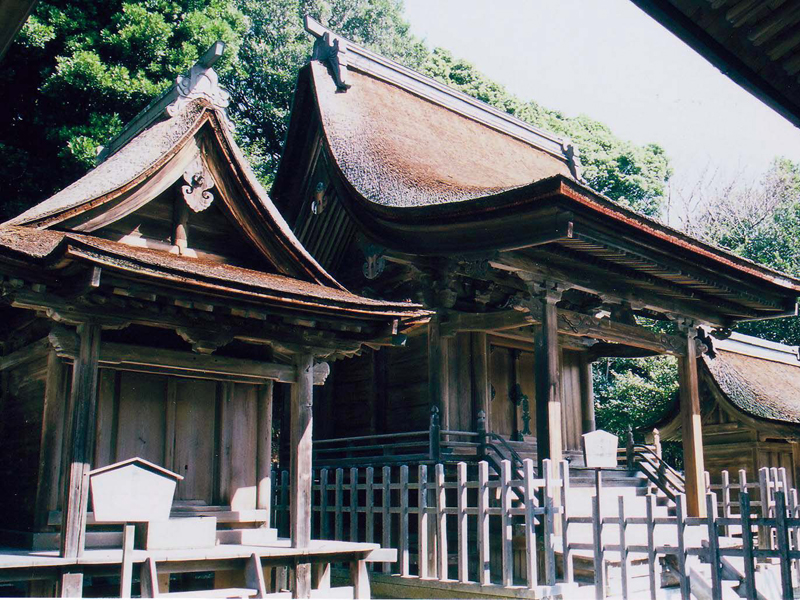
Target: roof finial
<point x="331" y="50"/>
<point x="202" y="81"/>
<point x="573" y="155"/>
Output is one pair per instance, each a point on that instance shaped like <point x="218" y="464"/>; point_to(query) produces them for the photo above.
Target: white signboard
<point x="600" y="449"/>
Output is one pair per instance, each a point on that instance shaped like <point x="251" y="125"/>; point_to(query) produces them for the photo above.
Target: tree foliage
<point x="79" y="71"/>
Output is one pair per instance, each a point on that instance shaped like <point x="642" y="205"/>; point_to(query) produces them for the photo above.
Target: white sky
<point x="609" y="60"/>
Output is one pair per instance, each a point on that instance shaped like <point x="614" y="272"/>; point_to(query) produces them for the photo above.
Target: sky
<point x="609" y="60"/>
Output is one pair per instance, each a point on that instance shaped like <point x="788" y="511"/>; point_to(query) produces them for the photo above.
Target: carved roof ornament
<point x="573" y="155"/>
<point x="330" y="50"/>
<point x="199" y="181"/>
<point x="202" y="81"/>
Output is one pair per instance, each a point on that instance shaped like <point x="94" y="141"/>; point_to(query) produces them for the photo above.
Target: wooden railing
<point x="431" y="514"/>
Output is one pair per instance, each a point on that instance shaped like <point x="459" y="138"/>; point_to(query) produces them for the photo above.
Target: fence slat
<point x="782" y="533"/>
<point x="530" y="522"/>
<point x="764" y="533"/>
<point x="569" y="568"/>
<point x="726" y="500"/>
<point x="507" y="550"/>
<point x="713" y="547"/>
<point x="680" y="511"/>
<point x="597" y="541"/>
<point x="484" y="574"/>
<point x="623" y="546"/>
<point x="747" y="542"/>
<point x="404" y="554"/>
<point x="338" y="530"/>
<point x="463" y="530"/>
<point x="422" y="521"/>
<point x="324" y="521"/>
<point x="386" y="516"/>
<point x="441" y="523"/>
<point x="651" y="545"/>
<point x="549" y="537"/>
<point x="369" y="504"/>
<point x="353" y="504"/>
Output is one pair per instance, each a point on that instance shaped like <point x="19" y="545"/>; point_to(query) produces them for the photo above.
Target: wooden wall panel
<point x="501" y="418"/>
<point x="142" y="411"/>
<point x="353" y="396"/>
<point x="21" y="413"/>
<point x="407" y="406"/>
<point x="459" y="371"/>
<point x="107" y="412"/>
<point x="195" y="409"/>
<point x="242" y="421"/>
<point x="571" y="400"/>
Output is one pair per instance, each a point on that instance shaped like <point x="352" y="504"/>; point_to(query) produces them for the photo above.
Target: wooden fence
<point x="455" y="523"/>
<point x="451" y="523"/>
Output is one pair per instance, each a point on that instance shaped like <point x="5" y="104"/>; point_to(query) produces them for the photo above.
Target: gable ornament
<point x="198" y="182"/>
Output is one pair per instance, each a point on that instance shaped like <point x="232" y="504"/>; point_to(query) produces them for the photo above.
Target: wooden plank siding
<point x="21" y="412"/>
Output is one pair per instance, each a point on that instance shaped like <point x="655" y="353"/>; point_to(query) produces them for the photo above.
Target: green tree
<point x="79" y="70"/>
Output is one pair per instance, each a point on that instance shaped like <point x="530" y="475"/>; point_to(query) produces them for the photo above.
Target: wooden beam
<point x="692" y="430"/>
<point x="547" y="382"/>
<point x="120" y="355"/>
<point x="598" y="284"/>
<point x="264" y="448"/>
<point x="79" y="441"/>
<point x="481" y="322"/>
<point x="571" y="324"/>
<point x="300" y="452"/>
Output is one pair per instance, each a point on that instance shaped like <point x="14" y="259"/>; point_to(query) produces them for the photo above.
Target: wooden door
<point x="509" y="367"/>
<point x="195" y="415"/>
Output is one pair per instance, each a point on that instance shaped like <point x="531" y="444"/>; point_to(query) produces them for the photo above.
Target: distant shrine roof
<point x="180" y="148"/>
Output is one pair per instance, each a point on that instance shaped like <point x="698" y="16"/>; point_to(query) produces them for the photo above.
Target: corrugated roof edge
<point x="421" y="85"/>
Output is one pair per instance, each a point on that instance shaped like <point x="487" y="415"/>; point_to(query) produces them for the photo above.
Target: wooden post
<point x="437" y="396"/>
<point x="435" y="436"/>
<point x="78" y="449"/>
<point x="264" y="449"/>
<point x="300" y="457"/>
<point x="629" y="460"/>
<point x="623" y="546"/>
<point x="324" y="518"/>
<point x="549" y="525"/>
<point x="481" y="430"/>
<point x="386" y="515"/>
<point x="338" y="499"/>
<point x="369" y="505"/>
<point x="747" y="544"/>
<point x="422" y="521"/>
<point x="569" y="569"/>
<point x="353" y="504"/>
<point x="713" y="546"/>
<point x="126" y="578"/>
<point x="506" y="524"/>
<point x="484" y="577"/>
<point x="404" y="550"/>
<point x="597" y="539"/>
<point x="481" y="392"/>
<point x="548" y="386"/>
<point x="300" y="468"/>
<point x="651" y="544"/>
<point x="441" y="523"/>
<point x="463" y="532"/>
<point x="691" y="428"/>
<point x="530" y="528"/>
<point x="680" y="513"/>
<point x="587" y="393"/>
<point x="782" y="533"/>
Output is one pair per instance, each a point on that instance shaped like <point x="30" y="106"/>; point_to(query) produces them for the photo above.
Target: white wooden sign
<point x="133" y="490"/>
<point x="600" y="449"/>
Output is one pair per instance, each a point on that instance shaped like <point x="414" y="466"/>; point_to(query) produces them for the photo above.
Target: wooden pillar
<point x="300" y="451"/>
<point x="587" y="394"/>
<point x="55" y="400"/>
<point x="264" y="449"/>
<point x="481" y="391"/>
<point x="300" y="469"/>
<point x="548" y="384"/>
<point x="692" y="431"/>
<point x="437" y="360"/>
<point x="77" y="450"/>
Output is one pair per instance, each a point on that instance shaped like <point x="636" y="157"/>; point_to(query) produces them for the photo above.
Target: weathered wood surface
<point x="301" y="424"/>
<point x="548" y="385"/>
<point x="692" y="429"/>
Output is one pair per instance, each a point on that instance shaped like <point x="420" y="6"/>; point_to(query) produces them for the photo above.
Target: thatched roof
<point x="760" y="378"/>
<point x="48" y="249"/>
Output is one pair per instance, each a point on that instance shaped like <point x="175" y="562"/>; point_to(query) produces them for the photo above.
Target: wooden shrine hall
<point x="150" y="310"/>
<point x="750" y="407"/>
<point x="404" y="188"/>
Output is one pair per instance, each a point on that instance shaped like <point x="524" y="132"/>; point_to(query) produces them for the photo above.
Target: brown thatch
<point x="760" y="387"/>
<point x="45" y="247"/>
<point x="398" y="149"/>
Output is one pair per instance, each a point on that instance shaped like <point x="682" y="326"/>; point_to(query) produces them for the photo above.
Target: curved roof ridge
<point x="342" y="53"/>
